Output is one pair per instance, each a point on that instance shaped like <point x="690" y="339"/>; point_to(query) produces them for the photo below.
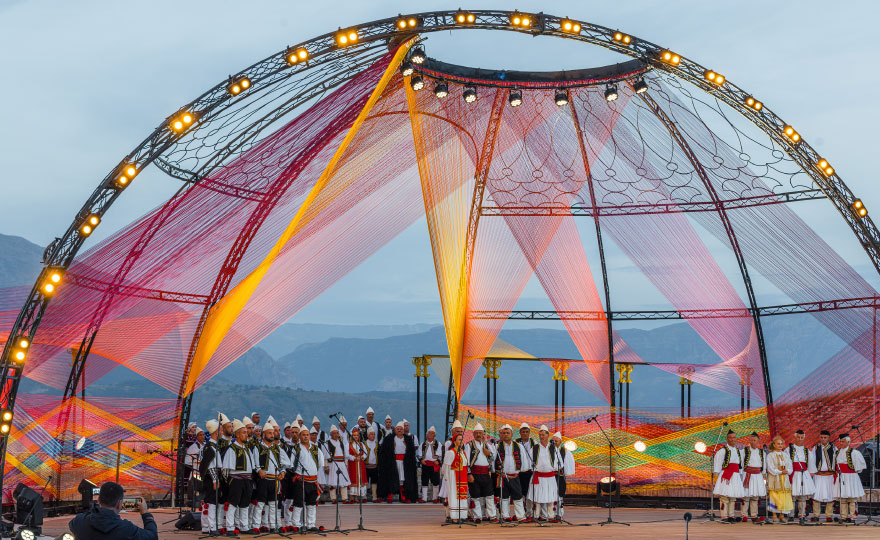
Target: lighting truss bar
<point x="782" y="309"/>
<point x="660" y="208"/>
<point x="138" y="292"/>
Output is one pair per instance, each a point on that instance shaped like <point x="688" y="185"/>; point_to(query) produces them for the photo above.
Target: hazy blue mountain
<point x="19" y="261"/>
<point x="291" y="335"/>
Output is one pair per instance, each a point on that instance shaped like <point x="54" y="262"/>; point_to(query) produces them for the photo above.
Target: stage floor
<point x="422" y="521"/>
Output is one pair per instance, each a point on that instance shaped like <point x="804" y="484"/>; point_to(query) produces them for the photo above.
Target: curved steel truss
<point x="224" y="125"/>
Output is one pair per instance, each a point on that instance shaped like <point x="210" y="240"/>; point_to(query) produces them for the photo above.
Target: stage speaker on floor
<point x="607" y="492"/>
<point x="87" y="491"/>
<point x="189" y="521"/>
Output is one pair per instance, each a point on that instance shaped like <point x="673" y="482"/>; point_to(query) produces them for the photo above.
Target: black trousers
<point x="560" y="481"/>
<point x="287" y="486"/>
<point x="429" y="475"/>
<point x="524" y="479"/>
<point x="512" y="488"/>
<point x="481" y="486"/>
<point x="267" y="488"/>
<point x="373" y="475"/>
<point x="311" y="493"/>
<point x="210" y="494"/>
<point x="240" y="492"/>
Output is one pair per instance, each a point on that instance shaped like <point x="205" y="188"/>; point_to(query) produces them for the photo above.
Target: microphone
<point x="336" y="414"/>
<point x="470" y="414"/>
<point x="687" y="516"/>
<point x="723" y="423"/>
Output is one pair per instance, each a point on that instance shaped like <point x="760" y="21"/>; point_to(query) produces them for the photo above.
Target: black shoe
<point x="449" y="520"/>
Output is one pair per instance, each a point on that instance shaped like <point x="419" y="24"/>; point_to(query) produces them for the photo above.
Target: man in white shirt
<point x="241" y="462"/>
<point x="508" y="462"/>
<point x="431" y="453"/>
<point x="414" y="436"/>
<point x="272" y="460"/>
<point x="543" y="489"/>
<point x="371" y="445"/>
<point x="754" y="483"/>
<point x="335" y="450"/>
<point x="728" y="486"/>
<point x="210" y="467"/>
<point x="566" y="468"/>
<point x="308" y="459"/>
<point x="822" y="466"/>
<point x="801" y="481"/>
<point x="848" y="486"/>
<point x="480" y="455"/>
<point x="371" y="415"/>
<point x="525" y="476"/>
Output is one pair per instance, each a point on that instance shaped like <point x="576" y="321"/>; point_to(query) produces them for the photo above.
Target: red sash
<point x="399" y="457"/>
<point x="433" y="464"/>
<point x="797" y="466"/>
<point x="479" y="469"/>
<point x="749" y="472"/>
<point x="729" y="471"/>
<point x="309" y="479"/>
<point x="845" y="468"/>
<point x="536" y="475"/>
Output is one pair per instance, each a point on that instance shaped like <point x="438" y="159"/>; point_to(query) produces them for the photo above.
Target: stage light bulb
<point x="417" y="83"/>
<point x="570" y="445"/>
<point x="469" y="94"/>
<point x="566" y="26"/>
<point x="526" y="21"/>
<point x="56" y="277"/>
<point x="342" y="39"/>
<point x="470" y="17"/>
<point x="352" y="36"/>
<point x="130" y="171"/>
<point x="857" y="204"/>
<point x="401" y="24"/>
<point x="611" y="93"/>
<point x="700" y="446"/>
<point x="417" y="56"/>
<point x="515" y="98"/>
<point x="561" y="98"/>
<point x="20" y="356"/>
<point x="459" y="18"/>
<point x="825" y="167"/>
<point x="406" y="68"/>
<point x="94" y="220"/>
<point x="7" y="416"/>
<point x="516" y="21"/>
<point x="24" y="344"/>
<point x="187" y="118"/>
<point x="640" y="86"/>
<point x="412" y="22"/>
<point x="48" y="288"/>
<point x="640" y="446"/>
<point x="5" y="429"/>
<point x="235" y="89"/>
<point x="245" y="83"/>
<point x="302" y="54"/>
<point x="178" y="125"/>
<point x="24" y="534"/>
<point x="86" y="230"/>
<point x="66" y="536"/>
<point x="441" y="90"/>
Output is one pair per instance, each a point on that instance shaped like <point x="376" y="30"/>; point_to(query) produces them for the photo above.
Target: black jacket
<point x="104" y="524"/>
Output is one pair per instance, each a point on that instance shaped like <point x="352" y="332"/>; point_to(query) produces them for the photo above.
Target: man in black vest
<point x="823" y="466"/>
<point x="432" y="460"/>
<point x="481" y="455"/>
<point x="508" y="463"/>
<point x="398" y="467"/>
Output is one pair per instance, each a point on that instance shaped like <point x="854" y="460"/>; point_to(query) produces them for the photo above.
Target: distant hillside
<point x="288" y="337"/>
<point x="19" y="261"/>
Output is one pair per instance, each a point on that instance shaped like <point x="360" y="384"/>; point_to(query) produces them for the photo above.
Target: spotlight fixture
<point x="182" y="122"/>
<point x="65" y="536"/>
<point x="417" y="83"/>
<point x="238" y="85"/>
<point x="469" y="94"/>
<point x="520" y="20"/>
<point x="53" y="279"/>
<point x="754" y="103"/>
<point x="346" y="37"/>
<point x="570" y="27"/>
<point x="859" y="208"/>
<point x="417" y="56"/>
<point x="406" y="68"/>
<point x="715" y="78"/>
<point x="19" y="355"/>
<point x="670" y="57"/>
<point x="791" y="134"/>
<point x="561" y="98"/>
<point x="408" y="23"/>
<point x="570" y="445"/>
<point x="126" y="174"/>
<point x="825" y="167"/>
<point x="295" y="56"/>
<point x="6" y="416"/>
<point x="24" y="343"/>
<point x="515" y="98"/>
<point x="640" y="86"/>
<point x="25" y="534"/>
<point x="463" y="17"/>
<point x="441" y="90"/>
<point x="89" y="225"/>
<point x="640" y="446"/>
<point x="620" y="37"/>
<point x="611" y="93"/>
<point x="700" y="446"/>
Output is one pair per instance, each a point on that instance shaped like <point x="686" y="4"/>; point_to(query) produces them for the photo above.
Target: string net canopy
<point x="289" y="201"/>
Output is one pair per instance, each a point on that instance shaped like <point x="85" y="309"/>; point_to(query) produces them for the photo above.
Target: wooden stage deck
<point x="422" y="521"/>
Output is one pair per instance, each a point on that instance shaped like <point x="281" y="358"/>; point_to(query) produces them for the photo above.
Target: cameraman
<point x="102" y="521"/>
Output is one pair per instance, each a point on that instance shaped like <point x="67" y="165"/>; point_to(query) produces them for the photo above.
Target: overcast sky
<point x="84" y="82"/>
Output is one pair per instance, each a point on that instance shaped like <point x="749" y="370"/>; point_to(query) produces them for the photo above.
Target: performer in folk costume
<point x="525" y="476"/>
<point x="223" y="444"/>
<point x="191" y="465"/>
<point x="543" y="489"/>
<point x="308" y="459"/>
<point x="481" y="454"/>
<point x="431" y="453"/>
<point x="566" y="468"/>
<point x="848" y="486"/>
<point x="801" y="481"/>
<point x="241" y="463"/>
<point x="371" y="420"/>
<point x="414" y="436"/>
<point x="252" y="445"/>
<point x="362" y="427"/>
<point x="508" y="462"/>
<point x="822" y="466"/>
<point x="249" y="425"/>
<point x="371" y="446"/>
<point x="728" y="486"/>
<point x="286" y="433"/>
<point x="287" y="481"/>
<point x="335" y="469"/>
<point x="357" y="470"/>
<point x="210" y="468"/>
<point x="343" y="431"/>
<point x="779" y="466"/>
<point x="457" y="428"/>
<point x="455" y="474"/>
<point x="316" y="425"/>
<point x="273" y="460"/>
<point x="299" y="421"/>
<point x="398" y="467"/>
<point x="387" y="429"/>
<point x="753" y="471"/>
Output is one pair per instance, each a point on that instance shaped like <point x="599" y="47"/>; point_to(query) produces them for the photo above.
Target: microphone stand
<point x="360" y="497"/>
<point x="710" y="513"/>
<point x="337" y="528"/>
<point x="873" y="471"/>
<point x="276" y="488"/>
<point x="305" y="520"/>
<point x="502" y="478"/>
<point x="460" y="521"/>
<point x="559" y="518"/>
<point x="611" y="447"/>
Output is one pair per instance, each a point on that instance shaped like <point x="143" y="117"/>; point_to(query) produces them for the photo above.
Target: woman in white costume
<point x="455" y="468"/>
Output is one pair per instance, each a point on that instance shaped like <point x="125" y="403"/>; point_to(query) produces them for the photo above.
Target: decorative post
<point x="745" y="391"/>
<point x="559" y="368"/>
<point x="623" y="377"/>
<point x="421" y="363"/>
<point x="491" y="376"/>
<point x="686" y="372"/>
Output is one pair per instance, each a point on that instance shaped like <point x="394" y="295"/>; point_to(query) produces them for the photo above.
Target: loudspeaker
<point x="607" y="493"/>
<point x="189" y="521"/>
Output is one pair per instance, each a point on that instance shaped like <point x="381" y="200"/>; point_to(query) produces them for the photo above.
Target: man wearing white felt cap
<point x="337" y="471"/>
<point x="543" y="489"/>
<point x="242" y="464"/>
<point x="848" y="486"/>
<point x="566" y="468"/>
<point x="371" y="420"/>
<point x="508" y="463"/>
<point x="398" y="467"/>
<point x="210" y="468"/>
<point x="431" y="459"/>
<point x="481" y="454"/>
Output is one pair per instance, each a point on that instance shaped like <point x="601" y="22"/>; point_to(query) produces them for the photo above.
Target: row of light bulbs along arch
<point x="184" y="120"/>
